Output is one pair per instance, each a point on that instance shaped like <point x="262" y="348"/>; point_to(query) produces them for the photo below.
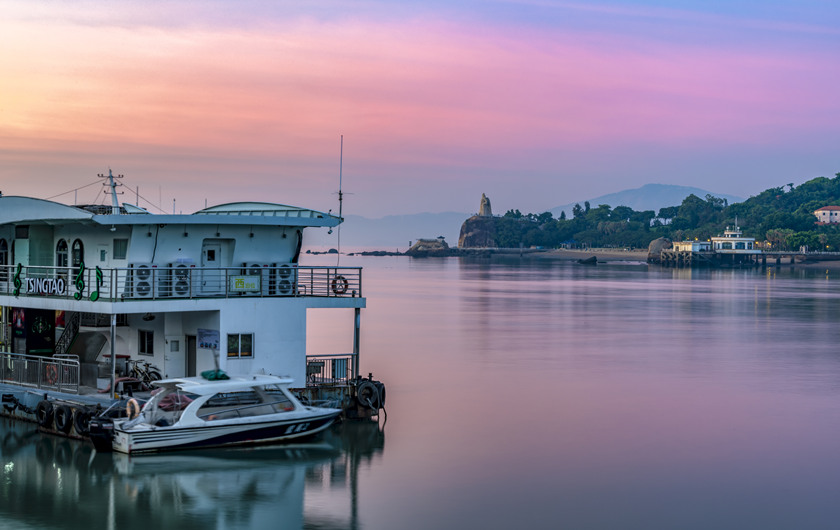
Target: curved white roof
<point x="28" y="209"/>
<point x="265" y="209"/>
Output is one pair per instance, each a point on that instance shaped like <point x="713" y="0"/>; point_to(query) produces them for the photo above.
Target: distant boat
<point x="593" y="260"/>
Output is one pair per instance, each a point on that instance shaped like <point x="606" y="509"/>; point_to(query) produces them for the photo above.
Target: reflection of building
<point x="294" y="486"/>
<point x="828" y="215"/>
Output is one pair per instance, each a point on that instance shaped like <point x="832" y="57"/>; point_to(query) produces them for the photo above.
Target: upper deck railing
<point x="140" y="282"/>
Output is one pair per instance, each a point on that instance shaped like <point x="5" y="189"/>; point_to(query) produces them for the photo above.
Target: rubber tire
<point x="154" y="376"/>
<point x="381" y="387"/>
<point x="367" y="391"/>
<point x="63" y="418"/>
<point x="44" y="413"/>
<point x="81" y="421"/>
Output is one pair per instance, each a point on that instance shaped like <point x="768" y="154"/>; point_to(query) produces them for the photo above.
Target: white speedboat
<point x="194" y="412"/>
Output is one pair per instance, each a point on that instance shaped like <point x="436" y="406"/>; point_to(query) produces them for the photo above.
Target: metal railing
<point x="336" y="369"/>
<point x="152" y="282"/>
<point x="59" y="373"/>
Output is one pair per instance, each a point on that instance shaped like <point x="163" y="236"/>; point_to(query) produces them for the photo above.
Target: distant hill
<point x="396" y="231"/>
<point x="648" y="197"/>
<point x="389" y="232"/>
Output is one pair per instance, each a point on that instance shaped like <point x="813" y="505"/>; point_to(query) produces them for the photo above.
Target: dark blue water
<point x="520" y="394"/>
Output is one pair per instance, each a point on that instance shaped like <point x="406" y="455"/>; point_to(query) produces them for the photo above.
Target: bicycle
<point x="143" y="371"/>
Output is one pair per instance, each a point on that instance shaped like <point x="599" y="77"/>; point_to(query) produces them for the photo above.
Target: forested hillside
<point x="783" y="217"/>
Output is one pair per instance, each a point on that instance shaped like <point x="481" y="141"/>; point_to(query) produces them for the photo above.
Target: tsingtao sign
<point x="46" y="286"/>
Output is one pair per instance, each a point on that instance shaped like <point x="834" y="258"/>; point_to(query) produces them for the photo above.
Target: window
<point x="240" y="345"/>
<point x="146" y="342"/>
<point x="77" y="255"/>
<point x="4" y="260"/>
<point x="120" y="248"/>
<point x="61" y="253"/>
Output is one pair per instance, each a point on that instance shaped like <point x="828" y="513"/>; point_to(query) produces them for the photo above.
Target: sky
<point x="535" y="103"/>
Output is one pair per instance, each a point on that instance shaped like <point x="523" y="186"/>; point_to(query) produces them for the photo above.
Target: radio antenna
<point x="340" y="199"/>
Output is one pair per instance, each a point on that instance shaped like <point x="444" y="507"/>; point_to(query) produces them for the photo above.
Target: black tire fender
<point x="381" y="387"/>
<point x="63" y="418"/>
<point x="368" y="394"/>
<point x="44" y="413"/>
<point x="81" y="421"/>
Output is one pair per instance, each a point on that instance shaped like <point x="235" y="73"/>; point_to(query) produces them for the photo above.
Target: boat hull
<point x="172" y="438"/>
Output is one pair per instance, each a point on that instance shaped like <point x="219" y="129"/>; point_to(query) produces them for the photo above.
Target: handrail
<point x="152" y="282"/>
<point x="336" y="368"/>
<point x="71" y="330"/>
<point x="60" y="374"/>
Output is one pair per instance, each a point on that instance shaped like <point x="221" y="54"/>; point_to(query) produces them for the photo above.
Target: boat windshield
<point x="257" y="401"/>
<point x="168" y="406"/>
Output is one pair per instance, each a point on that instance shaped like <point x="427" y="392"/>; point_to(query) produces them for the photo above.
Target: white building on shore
<point x="183" y="290"/>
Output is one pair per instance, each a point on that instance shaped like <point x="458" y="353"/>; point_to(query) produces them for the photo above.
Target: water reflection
<point x="50" y="482"/>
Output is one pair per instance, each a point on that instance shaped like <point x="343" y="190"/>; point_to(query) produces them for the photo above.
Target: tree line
<point x="782" y="218"/>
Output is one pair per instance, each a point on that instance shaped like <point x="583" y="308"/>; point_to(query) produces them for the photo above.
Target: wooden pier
<point x="680" y="258"/>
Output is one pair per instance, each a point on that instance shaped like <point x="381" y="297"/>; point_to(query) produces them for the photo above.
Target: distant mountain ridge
<point x="648" y="197"/>
<point x="394" y="232"/>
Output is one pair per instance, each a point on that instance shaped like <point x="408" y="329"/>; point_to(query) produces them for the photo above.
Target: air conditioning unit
<point x="179" y="279"/>
<point x="141" y="279"/>
<point x="258" y="269"/>
<point x="283" y="279"/>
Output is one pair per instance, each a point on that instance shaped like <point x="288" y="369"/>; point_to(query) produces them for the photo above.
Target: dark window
<point x="240" y="345"/>
<point x="120" y="248"/>
<point x="4" y="260"/>
<point x="22" y="232"/>
<point x="61" y="253"/>
<point x="77" y="255"/>
<point x="146" y="342"/>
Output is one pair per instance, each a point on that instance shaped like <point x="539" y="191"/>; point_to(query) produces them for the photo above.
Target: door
<point x="191" y="342"/>
<point x="212" y="279"/>
<point x="175" y="359"/>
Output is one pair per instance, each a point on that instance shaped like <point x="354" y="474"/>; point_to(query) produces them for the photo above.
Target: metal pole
<point x="356" y="336"/>
<point x="113" y="355"/>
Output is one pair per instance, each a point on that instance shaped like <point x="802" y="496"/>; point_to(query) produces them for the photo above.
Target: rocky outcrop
<point x="485" y="210"/>
<point x="429" y="247"/>
<point x="478" y="232"/>
<point x="656" y="247"/>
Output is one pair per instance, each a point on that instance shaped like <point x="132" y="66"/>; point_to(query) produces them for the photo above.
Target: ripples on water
<point x="523" y="394"/>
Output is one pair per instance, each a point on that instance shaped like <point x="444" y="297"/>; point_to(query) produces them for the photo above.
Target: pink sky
<point x="435" y="108"/>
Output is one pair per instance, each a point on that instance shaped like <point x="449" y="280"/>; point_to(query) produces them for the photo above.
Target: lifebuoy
<point x="81" y="421"/>
<point x="44" y="413"/>
<point x="51" y="374"/>
<point x="340" y="284"/>
<point x="132" y="408"/>
<point x="63" y="418"/>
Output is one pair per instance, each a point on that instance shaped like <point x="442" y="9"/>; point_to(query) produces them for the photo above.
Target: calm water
<point x="520" y="394"/>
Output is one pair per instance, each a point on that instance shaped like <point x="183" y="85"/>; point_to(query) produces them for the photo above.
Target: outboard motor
<point x="102" y="434"/>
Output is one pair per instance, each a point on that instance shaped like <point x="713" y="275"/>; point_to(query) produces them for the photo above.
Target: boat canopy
<point x="203" y="387"/>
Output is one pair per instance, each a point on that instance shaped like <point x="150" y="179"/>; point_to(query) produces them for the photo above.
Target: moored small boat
<point x="194" y="412"/>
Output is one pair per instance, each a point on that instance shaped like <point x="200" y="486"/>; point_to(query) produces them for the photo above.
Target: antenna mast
<point x="340" y="198"/>
<point x="115" y="205"/>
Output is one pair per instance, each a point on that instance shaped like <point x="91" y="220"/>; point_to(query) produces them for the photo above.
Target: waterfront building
<point x="221" y="287"/>
<point x="828" y="215"/>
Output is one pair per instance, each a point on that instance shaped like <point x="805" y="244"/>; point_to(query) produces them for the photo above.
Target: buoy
<point x="132" y="408"/>
<point x="340" y="284"/>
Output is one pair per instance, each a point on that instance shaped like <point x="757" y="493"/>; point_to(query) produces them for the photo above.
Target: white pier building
<point x="180" y="290"/>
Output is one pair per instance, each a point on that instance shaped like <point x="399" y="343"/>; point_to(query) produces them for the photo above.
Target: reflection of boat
<point x="194" y="412"/>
